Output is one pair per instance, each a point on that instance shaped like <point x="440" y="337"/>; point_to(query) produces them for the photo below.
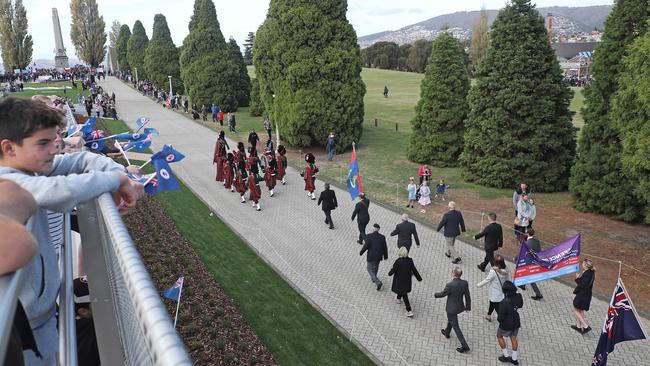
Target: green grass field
<point x="70" y="93"/>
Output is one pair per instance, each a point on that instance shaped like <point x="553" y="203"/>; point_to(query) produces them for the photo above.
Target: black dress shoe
<point x="359" y="241"/>
<point x="447" y="255"/>
<point x="379" y="286"/>
<point x="537" y="297"/>
<point x="456" y="261"/>
<point x="505" y="359"/>
<point x="482" y="269"/>
<point x="576" y="328"/>
<point x="462" y="349"/>
<point x="445" y="333"/>
<point x="586" y="330"/>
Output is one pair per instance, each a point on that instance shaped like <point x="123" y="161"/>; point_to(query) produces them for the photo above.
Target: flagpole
<point x="145" y="163"/>
<point x="150" y="179"/>
<point x="178" y="303"/>
<point x="117" y="144"/>
<point x="634" y="310"/>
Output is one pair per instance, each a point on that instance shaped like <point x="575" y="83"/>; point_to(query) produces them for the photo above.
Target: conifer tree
<point x="480" y="39"/>
<point x="519" y="125"/>
<point x="121" y="47"/>
<point x="596" y="177"/>
<point x="161" y="57"/>
<point x="209" y="73"/>
<point x="438" y="126"/>
<point x="16" y="44"/>
<point x="244" y="84"/>
<point x="308" y="64"/>
<point x="135" y="49"/>
<point x="87" y="31"/>
<point x="256" y="105"/>
<point x="248" y="48"/>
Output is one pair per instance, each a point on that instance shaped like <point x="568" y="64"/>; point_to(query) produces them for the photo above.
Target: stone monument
<point x="60" y="59"/>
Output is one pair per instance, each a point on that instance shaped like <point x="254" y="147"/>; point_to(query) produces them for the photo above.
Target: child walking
<point x="425" y="196"/>
<point x="412" y="189"/>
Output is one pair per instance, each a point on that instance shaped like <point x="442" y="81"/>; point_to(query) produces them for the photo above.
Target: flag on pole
<point x="354" y="177"/>
<point x="621" y="324"/>
<point x="174" y="292"/>
<point x="165" y="180"/>
<point x="169" y="154"/>
<point x="84" y="129"/>
<point x="138" y="146"/>
<point x="95" y="139"/>
<point x="141" y="122"/>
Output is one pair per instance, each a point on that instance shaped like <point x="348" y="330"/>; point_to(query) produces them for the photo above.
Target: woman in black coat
<point x="403" y="269"/>
<point x="509" y="322"/>
<point x="585" y="282"/>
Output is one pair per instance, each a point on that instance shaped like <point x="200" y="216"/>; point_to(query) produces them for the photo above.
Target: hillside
<point x="566" y="20"/>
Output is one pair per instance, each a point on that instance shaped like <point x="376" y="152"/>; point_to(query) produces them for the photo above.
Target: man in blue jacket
<point x="453" y="223"/>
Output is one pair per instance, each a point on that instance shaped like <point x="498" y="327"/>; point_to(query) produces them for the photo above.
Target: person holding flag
<point x="220" y="154"/>
<point x="354" y="177"/>
<point x="309" y="175"/>
<point x="282" y="164"/>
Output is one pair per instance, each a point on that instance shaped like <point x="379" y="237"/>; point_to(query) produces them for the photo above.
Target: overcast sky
<point x="239" y="17"/>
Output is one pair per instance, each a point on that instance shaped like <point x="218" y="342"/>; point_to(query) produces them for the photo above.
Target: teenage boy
<point x="29" y="156"/>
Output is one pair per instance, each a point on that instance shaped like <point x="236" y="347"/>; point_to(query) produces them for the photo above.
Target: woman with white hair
<point x="403" y="269"/>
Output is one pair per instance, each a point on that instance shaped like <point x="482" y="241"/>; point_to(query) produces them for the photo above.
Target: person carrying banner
<point x="309" y="175"/>
<point x="493" y="234"/>
<point x="535" y="245"/>
<point x="328" y="199"/>
<point x="220" y="154"/>
<point x="455" y="291"/>
<point x="229" y="172"/>
<point x="585" y="282"/>
<point x="362" y="215"/>
<point x="509" y="322"/>
<point x="270" y="172"/>
<point x="282" y="164"/>
<point x="453" y="223"/>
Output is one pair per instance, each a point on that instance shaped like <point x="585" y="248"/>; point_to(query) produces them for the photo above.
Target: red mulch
<point x="213" y="330"/>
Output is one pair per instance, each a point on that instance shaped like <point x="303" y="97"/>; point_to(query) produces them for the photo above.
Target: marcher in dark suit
<point x="328" y="198"/>
<point x="453" y="223"/>
<point x="375" y="244"/>
<point x="403" y="269"/>
<point x="533" y="244"/>
<point x="455" y="291"/>
<point x="585" y="282"/>
<point x="404" y="231"/>
<point x="362" y="215"/>
<point x="493" y="234"/>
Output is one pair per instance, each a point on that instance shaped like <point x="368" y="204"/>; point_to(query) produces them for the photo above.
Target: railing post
<point x="67" y="324"/>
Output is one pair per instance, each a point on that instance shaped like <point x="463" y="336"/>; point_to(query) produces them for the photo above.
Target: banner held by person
<point x="559" y="260"/>
<point x="174" y="293"/>
<point x="621" y="324"/>
<point x="354" y="176"/>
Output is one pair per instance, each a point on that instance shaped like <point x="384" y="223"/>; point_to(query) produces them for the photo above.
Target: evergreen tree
<point x="419" y="55"/>
<point x="480" y="39"/>
<point x="161" y="57"/>
<point x="306" y="55"/>
<point x="596" y="177"/>
<point x="209" y="73"/>
<point x="256" y="106"/>
<point x="135" y="49"/>
<point x="121" y="47"/>
<point x="519" y="125"/>
<point x="244" y="84"/>
<point x="438" y="124"/>
<point x="6" y="33"/>
<point x="15" y="42"/>
<point x="248" y="48"/>
<point x="87" y="31"/>
<point x="630" y="115"/>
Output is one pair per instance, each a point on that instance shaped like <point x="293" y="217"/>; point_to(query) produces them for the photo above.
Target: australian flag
<point x="95" y="140"/>
<point x="135" y="137"/>
<point x="165" y="180"/>
<point x="86" y="128"/>
<point x="621" y="324"/>
<point x="149" y="182"/>
<point x="169" y="154"/>
<point x="354" y="177"/>
<point x="174" y="292"/>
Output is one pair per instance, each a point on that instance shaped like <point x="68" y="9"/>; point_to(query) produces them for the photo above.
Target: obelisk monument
<point x="60" y="59"/>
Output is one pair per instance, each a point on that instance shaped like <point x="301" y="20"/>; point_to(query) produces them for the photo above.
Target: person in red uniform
<point x="240" y="180"/>
<point x="309" y="175"/>
<point x="282" y="164"/>
<point x="270" y="172"/>
<point x="220" y="155"/>
<point x="256" y="192"/>
<point x="229" y="172"/>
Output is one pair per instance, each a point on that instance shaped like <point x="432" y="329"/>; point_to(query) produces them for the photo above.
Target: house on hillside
<point x="566" y="51"/>
<point x="575" y="60"/>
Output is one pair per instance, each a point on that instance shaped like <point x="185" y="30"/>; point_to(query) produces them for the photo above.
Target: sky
<point x="237" y="18"/>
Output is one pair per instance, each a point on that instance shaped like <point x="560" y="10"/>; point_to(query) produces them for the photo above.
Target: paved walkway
<point x="325" y="266"/>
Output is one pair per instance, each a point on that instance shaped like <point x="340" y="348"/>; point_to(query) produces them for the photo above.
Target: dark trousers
<point x="269" y="133"/>
<point x="373" y="268"/>
<point x="362" y="230"/>
<point x="405" y="297"/>
<point x="489" y="258"/>
<point x="493" y="306"/>
<point x="328" y="217"/>
<point x="452" y="322"/>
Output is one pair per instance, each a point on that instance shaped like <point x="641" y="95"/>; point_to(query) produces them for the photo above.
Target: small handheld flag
<point x="169" y="154"/>
<point x="174" y="293"/>
<point x="141" y="122"/>
<point x="95" y="140"/>
<point x="138" y="146"/>
<point x="354" y="177"/>
<point x="165" y="177"/>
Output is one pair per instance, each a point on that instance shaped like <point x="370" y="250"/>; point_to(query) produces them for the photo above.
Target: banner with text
<point x="560" y="260"/>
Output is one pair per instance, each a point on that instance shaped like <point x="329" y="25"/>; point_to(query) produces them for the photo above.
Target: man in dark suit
<point x="453" y="223"/>
<point x="533" y="244"/>
<point x="455" y="291"/>
<point x="404" y="231"/>
<point x="328" y="198"/>
<point x="362" y="215"/>
<point x="493" y="234"/>
<point x="375" y="244"/>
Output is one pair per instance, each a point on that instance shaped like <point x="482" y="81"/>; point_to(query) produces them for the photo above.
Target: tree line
<point x="15" y="43"/>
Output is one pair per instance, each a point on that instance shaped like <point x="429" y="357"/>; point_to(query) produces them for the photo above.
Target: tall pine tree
<point x="438" y="126"/>
<point x="244" y="84"/>
<point x="519" y="125"/>
<point x="16" y="44"/>
<point x="480" y="39"/>
<point x="248" y="48"/>
<point x="161" y="57"/>
<point x="209" y="73"/>
<point x="135" y="49"/>
<point x="87" y="31"/>
<point x="306" y="55"/>
<point x="630" y="114"/>
<point x="256" y="106"/>
<point x="596" y="177"/>
<point x="121" y="47"/>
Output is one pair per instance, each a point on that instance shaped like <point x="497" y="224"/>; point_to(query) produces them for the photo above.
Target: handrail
<point x="67" y="325"/>
<point x="10" y="285"/>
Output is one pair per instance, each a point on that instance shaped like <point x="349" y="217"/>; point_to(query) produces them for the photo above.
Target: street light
<point x="170" y="86"/>
<point x="136" y="75"/>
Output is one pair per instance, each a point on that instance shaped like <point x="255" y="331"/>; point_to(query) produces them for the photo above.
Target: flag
<point x="169" y="154"/>
<point x="559" y="260"/>
<point x="95" y="140"/>
<point x="141" y="122"/>
<point x="174" y="292"/>
<point x="165" y="177"/>
<point x="621" y="324"/>
<point x="85" y="128"/>
<point x="138" y="146"/>
<point x="354" y="177"/>
<point x="149" y="182"/>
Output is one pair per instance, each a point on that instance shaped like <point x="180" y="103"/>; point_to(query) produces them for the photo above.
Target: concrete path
<point x="325" y="266"/>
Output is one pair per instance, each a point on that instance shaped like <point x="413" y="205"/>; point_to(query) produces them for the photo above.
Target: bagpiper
<point x="240" y="180"/>
<point x="270" y="171"/>
<point x="256" y="192"/>
<point x="229" y="172"/>
<point x="309" y="175"/>
<point x="220" y="150"/>
<point x="281" y="163"/>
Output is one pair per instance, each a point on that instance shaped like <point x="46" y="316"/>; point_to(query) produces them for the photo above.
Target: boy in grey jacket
<point x="29" y="156"/>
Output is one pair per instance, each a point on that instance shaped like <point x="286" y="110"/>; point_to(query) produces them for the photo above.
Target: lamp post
<point x="136" y="75"/>
<point x="170" y="86"/>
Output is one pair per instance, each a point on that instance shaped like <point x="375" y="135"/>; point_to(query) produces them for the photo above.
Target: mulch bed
<point x="213" y="330"/>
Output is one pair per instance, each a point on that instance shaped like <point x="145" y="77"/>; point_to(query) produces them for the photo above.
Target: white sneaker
<point x="243" y="200"/>
<point x="409" y="314"/>
<point x="232" y="189"/>
<point x="283" y="181"/>
<point x="258" y="208"/>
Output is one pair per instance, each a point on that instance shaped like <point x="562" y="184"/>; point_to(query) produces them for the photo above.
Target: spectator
<point x="533" y="212"/>
<point x="412" y="189"/>
<point x="495" y="279"/>
<point x="267" y="126"/>
<point x="425" y="196"/>
<point x="253" y="138"/>
<point x="214" y="110"/>
<point x="441" y="187"/>
<point x="404" y="269"/>
<point x="453" y="223"/>
<point x="585" y="282"/>
<point x="509" y="322"/>
<point x="17" y="244"/>
<point x="385" y="91"/>
<point x="330" y="146"/>
<point x="521" y="190"/>
<point x="377" y="250"/>
<point x="522" y="219"/>
<point x="220" y="117"/>
<point x="232" y="122"/>
<point x="424" y="173"/>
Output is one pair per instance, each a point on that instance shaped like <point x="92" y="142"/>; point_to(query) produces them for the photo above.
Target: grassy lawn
<point x="576" y="106"/>
<point x="71" y="93"/>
